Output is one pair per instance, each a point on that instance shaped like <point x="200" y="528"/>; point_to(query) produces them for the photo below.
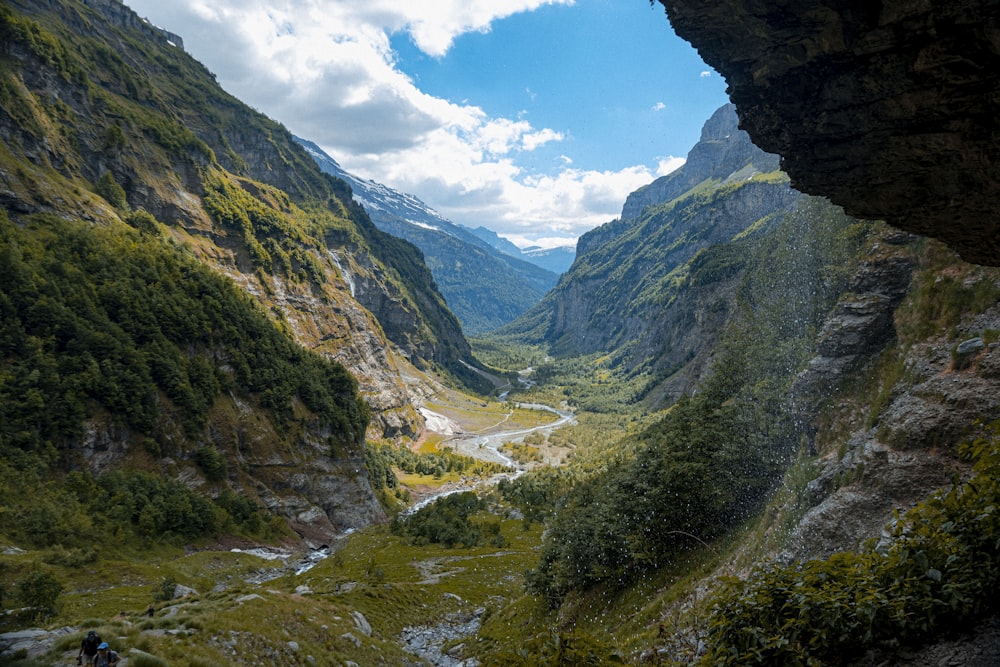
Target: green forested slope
<point x="113" y="330"/>
<point x="88" y="98"/>
<point x="709" y="462"/>
<point x="130" y="182"/>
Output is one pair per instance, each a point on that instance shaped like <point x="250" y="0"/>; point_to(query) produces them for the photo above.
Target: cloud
<point x="659" y="106"/>
<point x="434" y="25"/>
<point x="705" y="74"/>
<point x="665" y="165"/>
<point x="533" y="140"/>
<point x="542" y="242"/>
<point x="502" y="196"/>
<point x="326" y="70"/>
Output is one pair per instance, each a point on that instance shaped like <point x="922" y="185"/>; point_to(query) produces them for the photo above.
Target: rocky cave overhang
<point x="888" y="108"/>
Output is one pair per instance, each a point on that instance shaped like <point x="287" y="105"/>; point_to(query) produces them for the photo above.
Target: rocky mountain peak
<point x="723" y="150"/>
<point x="120" y="15"/>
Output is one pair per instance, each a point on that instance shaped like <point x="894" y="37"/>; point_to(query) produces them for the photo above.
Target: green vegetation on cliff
<point x="108" y="330"/>
<point x="112" y="318"/>
<point x="108" y="106"/>
<point x="715" y="455"/>
<point x="936" y="573"/>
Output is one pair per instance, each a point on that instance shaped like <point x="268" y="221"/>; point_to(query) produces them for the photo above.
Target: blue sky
<point x="609" y="74"/>
<point x="534" y="118"/>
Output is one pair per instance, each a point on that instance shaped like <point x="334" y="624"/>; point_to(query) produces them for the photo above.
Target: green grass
<point x="411" y="480"/>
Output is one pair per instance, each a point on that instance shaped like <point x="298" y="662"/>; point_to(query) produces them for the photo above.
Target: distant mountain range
<point x="486" y="280"/>
<point x="558" y="260"/>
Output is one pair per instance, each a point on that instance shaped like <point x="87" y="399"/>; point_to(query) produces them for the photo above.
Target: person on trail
<point x="88" y="648"/>
<point x="105" y="656"/>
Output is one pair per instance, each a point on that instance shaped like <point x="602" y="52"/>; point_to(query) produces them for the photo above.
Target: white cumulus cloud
<point x="326" y="70"/>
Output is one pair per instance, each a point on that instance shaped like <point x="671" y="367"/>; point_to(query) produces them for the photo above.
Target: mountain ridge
<point x="138" y="136"/>
<point x="625" y="294"/>
<point x="485" y="288"/>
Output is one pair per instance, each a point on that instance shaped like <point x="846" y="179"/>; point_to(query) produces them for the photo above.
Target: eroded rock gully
<point x="887" y="108"/>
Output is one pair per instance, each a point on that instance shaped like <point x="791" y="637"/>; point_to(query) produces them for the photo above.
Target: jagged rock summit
<point x="721" y="152"/>
<point x="888" y="109"/>
<point x="635" y="288"/>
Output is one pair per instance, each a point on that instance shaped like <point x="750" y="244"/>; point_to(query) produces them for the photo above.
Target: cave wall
<point x="889" y="109"/>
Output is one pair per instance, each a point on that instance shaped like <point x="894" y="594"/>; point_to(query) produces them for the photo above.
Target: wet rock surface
<point x="860" y="326"/>
<point x="979" y="648"/>
<point x="909" y="453"/>
<point x="429" y="641"/>
<point x="888" y="109"/>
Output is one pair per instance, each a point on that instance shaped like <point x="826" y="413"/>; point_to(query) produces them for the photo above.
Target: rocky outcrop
<point x="879" y="457"/>
<point x="907" y="455"/>
<point x="860" y="326"/>
<point x="119" y="14"/>
<point x="328" y="319"/>
<point x="722" y="151"/>
<point x="887" y="108"/>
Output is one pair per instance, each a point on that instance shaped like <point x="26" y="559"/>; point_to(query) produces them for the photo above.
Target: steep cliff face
<point x="642" y="287"/>
<point x="120" y="15"/>
<point x="722" y="149"/>
<point x="889" y="394"/>
<point x="159" y="151"/>
<point x="105" y="120"/>
<point x="887" y="109"/>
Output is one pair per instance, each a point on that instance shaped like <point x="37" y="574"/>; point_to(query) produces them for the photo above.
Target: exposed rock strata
<point x="888" y="109"/>
<point x="722" y="146"/>
<point x="860" y="326"/>
<point x="897" y="456"/>
<point x="625" y="291"/>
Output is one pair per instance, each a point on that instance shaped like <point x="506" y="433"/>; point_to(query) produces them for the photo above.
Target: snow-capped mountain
<point x="484" y="286"/>
<point x="558" y="260"/>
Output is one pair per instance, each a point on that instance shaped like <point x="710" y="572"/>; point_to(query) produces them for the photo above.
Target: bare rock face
<point x="896" y="457"/>
<point x="860" y="326"/>
<point x="723" y="148"/>
<point x="888" y="109"/>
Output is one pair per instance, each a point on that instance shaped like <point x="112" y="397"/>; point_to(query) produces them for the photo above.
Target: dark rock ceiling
<point x="888" y="108"/>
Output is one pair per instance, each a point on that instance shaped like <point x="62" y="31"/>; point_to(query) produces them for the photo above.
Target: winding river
<point x="486" y="447"/>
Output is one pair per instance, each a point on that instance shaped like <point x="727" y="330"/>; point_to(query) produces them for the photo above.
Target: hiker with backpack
<point x="105" y="656"/>
<point x="88" y="648"/>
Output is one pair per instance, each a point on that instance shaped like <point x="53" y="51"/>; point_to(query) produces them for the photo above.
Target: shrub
<point x="144" y="221"/>
<point x="938" y="574"/>
<point x="38" y="593"/>
<point x="447" y="521"/>
<point x="108" y="188"/>
<point x="212" y="462"/>
<point x="72" y="558"/>
<point x="164" y="590"/>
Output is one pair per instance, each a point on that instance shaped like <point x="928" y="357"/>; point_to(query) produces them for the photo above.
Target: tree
<point x="39" y="593"/>
<point x="108" y="188"/>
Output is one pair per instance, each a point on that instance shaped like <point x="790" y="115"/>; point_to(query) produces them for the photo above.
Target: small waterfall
<point x="348" y="278"/>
